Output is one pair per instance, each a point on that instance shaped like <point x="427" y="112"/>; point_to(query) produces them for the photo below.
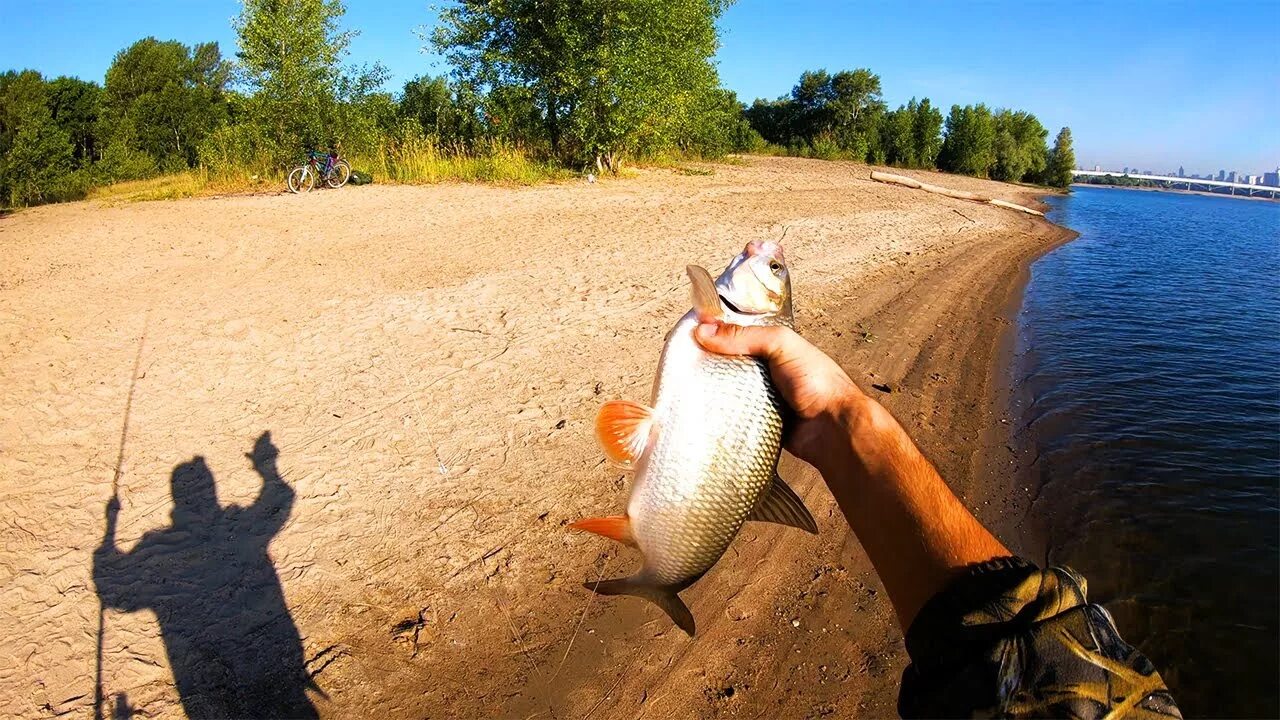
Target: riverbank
<point x="429" y="361"/>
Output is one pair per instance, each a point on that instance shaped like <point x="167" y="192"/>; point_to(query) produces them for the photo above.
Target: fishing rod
<point x="98" y="695"/>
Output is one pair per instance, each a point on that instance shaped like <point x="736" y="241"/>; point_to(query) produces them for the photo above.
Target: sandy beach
<point x="429" y="362"/>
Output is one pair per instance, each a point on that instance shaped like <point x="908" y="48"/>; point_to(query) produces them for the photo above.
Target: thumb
<point x="728" y="339"/>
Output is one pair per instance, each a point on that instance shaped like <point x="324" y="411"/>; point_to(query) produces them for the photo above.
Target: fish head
<point x="756" y="287"/>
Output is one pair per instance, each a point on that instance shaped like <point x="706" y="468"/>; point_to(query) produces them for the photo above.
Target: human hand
<point x="264" y="451"/>
<point x="817" y="389"/>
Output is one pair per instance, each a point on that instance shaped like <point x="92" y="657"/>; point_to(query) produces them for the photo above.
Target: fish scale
<point x="711" y="461"/>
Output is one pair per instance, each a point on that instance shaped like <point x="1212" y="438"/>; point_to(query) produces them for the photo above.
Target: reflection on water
<point x="1149" y="358"/>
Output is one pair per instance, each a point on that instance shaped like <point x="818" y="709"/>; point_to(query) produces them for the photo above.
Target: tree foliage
<point x="970" y="144"/>
<point x="163" y="98"/>
<point x="34" y="152"/>
<point x="1061" y="161"/>
<point x="442" y="110"/>
<point x="1020" y="146"/>
<point x="827" y="114"/>
<point x="290" y="60"/>
<point x="912" y="135"/>
<point x="605" y="78"/>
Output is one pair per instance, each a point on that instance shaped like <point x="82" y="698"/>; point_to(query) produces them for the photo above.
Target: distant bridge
<point x="1184" y="183"/>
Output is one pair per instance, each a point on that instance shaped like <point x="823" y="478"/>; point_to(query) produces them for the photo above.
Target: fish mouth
<point x="734" y="308"/>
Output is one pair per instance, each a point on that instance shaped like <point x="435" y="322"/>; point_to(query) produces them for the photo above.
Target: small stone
<point x="795" y="623"/>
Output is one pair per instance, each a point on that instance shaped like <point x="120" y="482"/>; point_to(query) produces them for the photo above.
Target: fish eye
<point x="775" y="266"/>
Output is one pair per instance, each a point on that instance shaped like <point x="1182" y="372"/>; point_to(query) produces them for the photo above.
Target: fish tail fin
<point x="664" y="597"/>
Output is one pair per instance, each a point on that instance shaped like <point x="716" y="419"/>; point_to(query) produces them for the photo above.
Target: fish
<point x="705" y="451"/>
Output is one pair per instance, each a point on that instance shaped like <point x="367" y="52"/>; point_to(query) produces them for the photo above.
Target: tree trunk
<point x="553" y="125"/>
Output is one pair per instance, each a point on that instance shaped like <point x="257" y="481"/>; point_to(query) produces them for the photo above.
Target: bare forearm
<point x="916" y="532"/>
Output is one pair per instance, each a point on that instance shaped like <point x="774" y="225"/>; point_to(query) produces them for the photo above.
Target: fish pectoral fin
<point x="664" y="597"/>
<point x="706" y="301"/>
<point x="614" y="527"/>
<point x="783" y="506"/>
<point x="623" y="429"/>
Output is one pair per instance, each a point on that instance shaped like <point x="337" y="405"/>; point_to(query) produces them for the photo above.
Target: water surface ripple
<point x="1149" y="364"/>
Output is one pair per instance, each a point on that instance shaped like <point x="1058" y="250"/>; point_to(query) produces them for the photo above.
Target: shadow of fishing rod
<point x="113" y="506"/>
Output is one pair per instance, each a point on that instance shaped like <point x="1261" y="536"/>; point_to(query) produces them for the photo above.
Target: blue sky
<point x="1147" y="84"/>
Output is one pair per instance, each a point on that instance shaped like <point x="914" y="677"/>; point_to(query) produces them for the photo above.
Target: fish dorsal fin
<point x="623" y="428"/>
<point x="781" y="505"/>
<point x="614" y="527"/>
<point x="706" y="301"/>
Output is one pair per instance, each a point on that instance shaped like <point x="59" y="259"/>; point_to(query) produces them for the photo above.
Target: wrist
<point x="842" y="417"/>
<point x="863" y="436"/>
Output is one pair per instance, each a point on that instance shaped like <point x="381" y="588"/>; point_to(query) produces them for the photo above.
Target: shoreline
<point x="430" y="372"/>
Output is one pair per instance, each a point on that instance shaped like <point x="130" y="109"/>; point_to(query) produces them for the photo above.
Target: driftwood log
<point x="938" y="189"/>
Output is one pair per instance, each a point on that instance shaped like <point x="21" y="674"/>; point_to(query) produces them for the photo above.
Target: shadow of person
<point x="233" y="647"/>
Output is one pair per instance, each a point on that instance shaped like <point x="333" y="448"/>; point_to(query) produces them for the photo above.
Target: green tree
<point x="926" y="131"/>
<point x="291" y="54"/>
<point x="1062" y="160"/>
<point x="717" y="127"/>
<point x="609" y="77"/>
<point x="969" y="146"/>
<point x="774" y="120"/>
<point x="898" y="138"/>
<point x="75" y="105"/>
<point x="445" y="112"/>
<point x="163" y="98"/>
<point x="35" y="154"/>
<point x="857" y="112"/>
<point x="1020" y="146"/>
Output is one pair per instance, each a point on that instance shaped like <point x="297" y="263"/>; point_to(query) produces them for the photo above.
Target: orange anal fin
<point x="614" y="527"/>
<point x="706" y="301"/>
<point x="623" y="428"/>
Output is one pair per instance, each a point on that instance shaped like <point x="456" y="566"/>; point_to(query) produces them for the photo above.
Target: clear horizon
<point x="1142" y="85"/>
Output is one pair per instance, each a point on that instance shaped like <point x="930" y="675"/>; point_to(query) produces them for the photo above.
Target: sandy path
<point x="429" y="362"/>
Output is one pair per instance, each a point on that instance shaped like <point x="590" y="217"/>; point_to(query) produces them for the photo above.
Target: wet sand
<point x="429" y="361"/>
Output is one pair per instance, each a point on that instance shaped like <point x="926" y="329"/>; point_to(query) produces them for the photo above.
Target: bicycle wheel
<point x="339" y="175"/>
<point x="301" y="180"/>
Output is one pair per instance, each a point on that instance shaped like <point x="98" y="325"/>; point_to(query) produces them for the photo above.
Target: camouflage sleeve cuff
<point x="1008" y="639"/>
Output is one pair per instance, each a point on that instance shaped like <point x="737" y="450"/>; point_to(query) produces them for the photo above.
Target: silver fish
<point x="705" y="454"/>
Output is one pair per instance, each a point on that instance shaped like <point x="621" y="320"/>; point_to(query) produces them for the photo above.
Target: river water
<point x="1148" y="376"/>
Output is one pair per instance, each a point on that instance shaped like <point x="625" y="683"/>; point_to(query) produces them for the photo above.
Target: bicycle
<point x="328" y="167"/>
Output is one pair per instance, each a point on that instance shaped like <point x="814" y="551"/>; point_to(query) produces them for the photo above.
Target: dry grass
<point x="417" y="161"/>
<point x="191" y="183"/>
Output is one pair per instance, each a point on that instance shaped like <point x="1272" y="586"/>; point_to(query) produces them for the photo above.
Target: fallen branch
<point x="939" y="190"/>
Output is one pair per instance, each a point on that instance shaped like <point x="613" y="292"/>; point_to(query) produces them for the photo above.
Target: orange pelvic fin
<point x="623" y="428"/>
<point x="706" y="301"/>
<point x="614" y="527"/>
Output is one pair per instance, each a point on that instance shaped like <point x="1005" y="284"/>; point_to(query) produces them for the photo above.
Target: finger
<point x="729" y="339"/>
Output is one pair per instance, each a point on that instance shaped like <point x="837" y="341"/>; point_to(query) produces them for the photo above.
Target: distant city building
<point x="1181" y="172"/>
<point x="1231" y="176"/>
<point x="1222" y="175"/>
<point x="1251" y="179"/>
<point x="1126" y="169"/>
<point x="1271" y="179"/>
<point x="1097" y="168"/>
